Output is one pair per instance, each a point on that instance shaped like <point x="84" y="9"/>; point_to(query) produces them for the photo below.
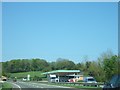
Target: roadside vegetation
<point x="34" y="75"/>
<point x="102" y="69"/>
<point x="77" y="86"/>
<point x="24" y="74"/>
<point x="6" y="86"/>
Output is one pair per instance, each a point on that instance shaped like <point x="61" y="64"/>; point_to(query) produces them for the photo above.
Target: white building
<point x="62" y="75"/>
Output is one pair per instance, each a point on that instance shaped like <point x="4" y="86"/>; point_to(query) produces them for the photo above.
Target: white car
<point x="24" y="79"/>
<point x="90" y="81"/>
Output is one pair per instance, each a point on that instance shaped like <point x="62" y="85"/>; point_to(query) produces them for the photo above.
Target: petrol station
<point x="63" y="75"/>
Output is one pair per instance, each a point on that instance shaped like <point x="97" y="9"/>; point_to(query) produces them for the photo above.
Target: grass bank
<point x="6" y="86"/>
<point x="24" y="74"/>
<point x="77" y="86"/>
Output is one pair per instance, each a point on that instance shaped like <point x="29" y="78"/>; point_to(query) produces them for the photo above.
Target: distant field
<point x="24" y="74"/>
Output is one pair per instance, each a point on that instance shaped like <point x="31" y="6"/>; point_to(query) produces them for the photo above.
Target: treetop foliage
<point x="102" y="69"/>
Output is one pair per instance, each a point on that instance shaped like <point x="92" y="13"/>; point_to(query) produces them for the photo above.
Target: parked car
<point x="24" y="79"/>
<point x="15" y="79"/>
<point x="114" y="83"/>
<point x="89" y="81"/>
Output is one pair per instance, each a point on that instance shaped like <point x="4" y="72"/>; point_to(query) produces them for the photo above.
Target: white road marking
<point x="17" y="86"/>
<point x="52" y="85"/>
<point x="39" y="85"/>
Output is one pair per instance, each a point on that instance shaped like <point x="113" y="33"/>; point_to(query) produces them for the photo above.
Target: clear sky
<point x="59" y="30"/>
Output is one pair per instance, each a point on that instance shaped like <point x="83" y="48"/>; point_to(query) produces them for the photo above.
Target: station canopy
<point x="62" y="72"/>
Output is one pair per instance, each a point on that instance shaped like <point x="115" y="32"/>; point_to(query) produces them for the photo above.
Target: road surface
<point x="37" y="86"/>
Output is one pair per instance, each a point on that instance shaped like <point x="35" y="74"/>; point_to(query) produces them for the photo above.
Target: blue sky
<point x="59" y="30"/>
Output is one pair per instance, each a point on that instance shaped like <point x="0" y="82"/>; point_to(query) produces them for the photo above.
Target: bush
<point x="36" y="78"/>
<point x="80" y="81"/>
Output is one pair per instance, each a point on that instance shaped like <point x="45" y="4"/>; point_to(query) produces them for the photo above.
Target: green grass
<point x="6" y="86"/>
<point x="24" y="74"/>
<point x="74" y="86"/>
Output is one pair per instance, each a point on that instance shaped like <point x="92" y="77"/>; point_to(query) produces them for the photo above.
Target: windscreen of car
<point x="115" y="80"/>
<point x="52" y="77"/>
<point x="118" y="82"/>
<point x="91" y="79"/>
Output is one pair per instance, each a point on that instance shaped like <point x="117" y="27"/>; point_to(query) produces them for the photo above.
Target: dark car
<point x="15" y="79"/>
<point x="113" y="84"/>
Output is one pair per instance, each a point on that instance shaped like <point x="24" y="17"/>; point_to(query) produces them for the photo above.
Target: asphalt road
<point x="30" y="85"/>
<point x="38" y="86"/>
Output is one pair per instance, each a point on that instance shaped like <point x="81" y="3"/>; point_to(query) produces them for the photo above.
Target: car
<point x="15" y="79"/>
<point x="114" y="83"/>
<point x="90" y="81"/>
<point x="24" y="79"/>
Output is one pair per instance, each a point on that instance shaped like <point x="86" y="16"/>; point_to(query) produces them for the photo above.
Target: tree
<point x="39" y="64"/>
<point x="64" y="64"/>
<point x="110" y="66"/>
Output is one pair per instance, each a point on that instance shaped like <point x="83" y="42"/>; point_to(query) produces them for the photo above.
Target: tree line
<point x="102" y="69"/>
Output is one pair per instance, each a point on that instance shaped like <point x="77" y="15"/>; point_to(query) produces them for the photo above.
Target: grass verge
<point x="77" y="86"/>
<point x="6" y="86"/>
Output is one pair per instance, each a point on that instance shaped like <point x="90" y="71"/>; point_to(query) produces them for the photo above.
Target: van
<point x="53" y="78"/>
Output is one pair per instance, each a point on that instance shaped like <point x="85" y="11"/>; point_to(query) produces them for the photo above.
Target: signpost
<point x="28" y="77"/>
